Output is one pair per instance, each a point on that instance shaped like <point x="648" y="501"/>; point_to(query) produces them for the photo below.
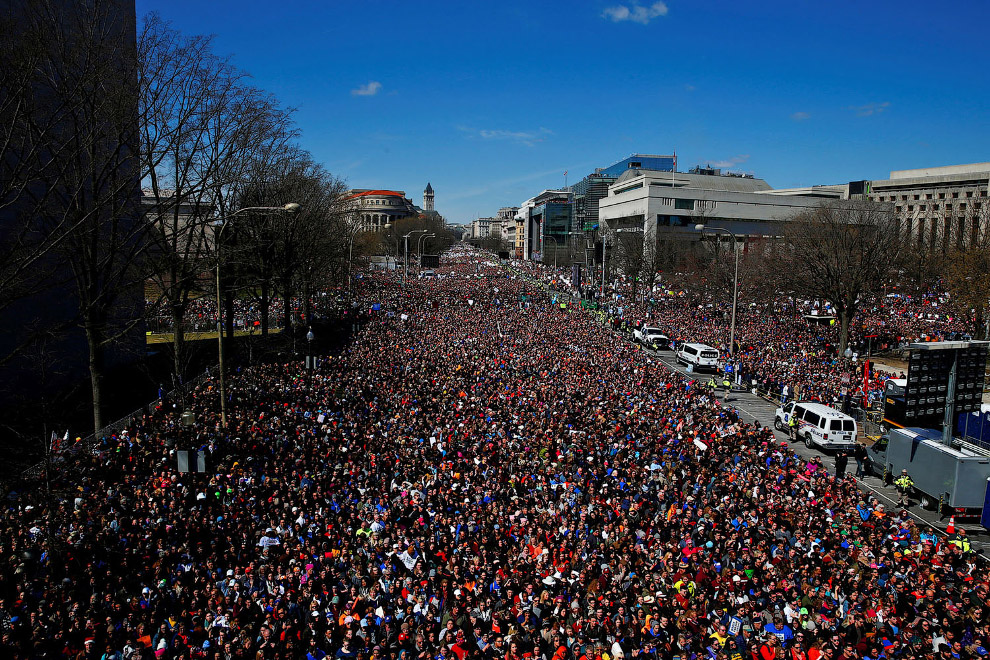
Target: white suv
<point x="652" y="336"/>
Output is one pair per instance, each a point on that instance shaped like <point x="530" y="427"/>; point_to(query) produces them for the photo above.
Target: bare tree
<point x="841" y="252"/>
<point x="70" y="178"/>
<point x="96" y="190"/>
<point x="202" y="129"/>
<point x="967" y="266"/>
<point x="293" y="252"/>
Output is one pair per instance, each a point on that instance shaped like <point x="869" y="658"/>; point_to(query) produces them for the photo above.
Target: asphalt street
<point x="758" y="409"/>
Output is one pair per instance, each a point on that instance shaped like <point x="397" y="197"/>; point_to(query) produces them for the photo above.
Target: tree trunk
<point x="95" y="343"/>
<point x="178" y="346"/>
<point x="845" y="318"/>
<point x="265" y="303"/>
<point x="287" y="307"/>
<point x="228" y="311"/>
<point x="307" y="307"/>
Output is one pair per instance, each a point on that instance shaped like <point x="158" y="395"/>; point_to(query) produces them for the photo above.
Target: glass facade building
<point x="641" y="162"/>
<point x="587" y="192"/>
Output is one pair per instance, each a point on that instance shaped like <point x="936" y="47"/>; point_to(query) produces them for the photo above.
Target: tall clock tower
<point x="428" y="198"/>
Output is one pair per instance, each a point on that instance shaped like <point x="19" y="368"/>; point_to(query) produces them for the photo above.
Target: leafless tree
<point x="967" y="266"/>
<point x="71" y="171"/>
<point x="203" y="133"/>
<point x="287" y="253"/>
<point x="841" y="252"/>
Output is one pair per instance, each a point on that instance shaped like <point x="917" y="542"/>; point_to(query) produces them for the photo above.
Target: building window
<point x="955" y="195"/>
<point x="969" y="193"/>
<point x="928" y="196"/>
<point x="941" y="195"/>
<point x="962" y="206"/>
<point x="628" y="188"/>
<point x="910" y="207"/>
<point x="684" y="204"/>
<point x="903" y="198"/>
<point x="917" y="196"/>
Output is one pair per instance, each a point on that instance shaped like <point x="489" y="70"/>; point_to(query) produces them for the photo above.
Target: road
<point x="754" y="408"/>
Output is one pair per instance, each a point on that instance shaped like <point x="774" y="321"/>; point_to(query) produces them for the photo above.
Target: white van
<point x="818" y="425"/>
<point x="700" y="356"/>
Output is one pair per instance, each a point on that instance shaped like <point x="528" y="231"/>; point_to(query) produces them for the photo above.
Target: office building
<point x="586" y="195"/>
<point x="936" y="206"/>
<point x="676" y="201"/>
<point x="640" y="162"/>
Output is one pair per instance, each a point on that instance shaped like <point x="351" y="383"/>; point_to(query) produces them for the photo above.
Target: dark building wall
<point x="44" y="357"/>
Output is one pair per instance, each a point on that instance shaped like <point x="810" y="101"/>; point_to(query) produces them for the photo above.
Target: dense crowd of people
<point x="248" y="314"/>
<point x="483" y="473"/>
<point x="779" y="351"/>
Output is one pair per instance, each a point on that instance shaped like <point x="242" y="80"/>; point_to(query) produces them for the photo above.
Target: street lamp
<point x="556" y="248"/>
<point x="187" y="419"/>
<point x="735" y="279"/>
<point x="291" y="207"/>
<point x="419" y="247"/>
<point x="350" y="252"/>
<point x="310" y="361"/>
<point x="405" y="262"/>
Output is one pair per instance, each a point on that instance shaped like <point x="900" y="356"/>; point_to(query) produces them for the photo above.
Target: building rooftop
<point x="947" y="170"/>
<point x="700" y="181"/>
<point x="384" y="193"/>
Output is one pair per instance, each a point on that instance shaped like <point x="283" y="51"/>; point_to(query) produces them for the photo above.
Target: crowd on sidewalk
<point x="482" y="473"/>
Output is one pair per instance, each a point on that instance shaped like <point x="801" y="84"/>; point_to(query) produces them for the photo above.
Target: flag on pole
<point x="565" y="172"/>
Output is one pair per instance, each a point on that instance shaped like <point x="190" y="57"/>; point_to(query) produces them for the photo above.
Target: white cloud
<point x="800" y="116"/>
<point x="869" y="108"/>
<point x="729" y="162"/>
<point x="370" y="89"/>
<point x="635" y="13"/>
<point x="503" y="183"/>
<point x="529" y="138"/>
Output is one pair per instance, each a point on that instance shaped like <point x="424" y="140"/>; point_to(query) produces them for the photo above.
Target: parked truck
<point x="953" y="479"/>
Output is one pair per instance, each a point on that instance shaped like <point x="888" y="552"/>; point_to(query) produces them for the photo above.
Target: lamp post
<point x="291" y="207"/>
<point x="604" y="250"/>
<point x="735" y="279"/>
<point x="405" y="261"/>
<point x="187" y="420"/>
<point x="569" y="245"/>
<point x="310" y="360"/>
<point x="419" y="248"/>
<point x="350" y="252"/>
<point x="556" y="248"/>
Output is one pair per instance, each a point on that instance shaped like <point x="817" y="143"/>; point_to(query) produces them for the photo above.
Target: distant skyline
<point x="492" y="102"/>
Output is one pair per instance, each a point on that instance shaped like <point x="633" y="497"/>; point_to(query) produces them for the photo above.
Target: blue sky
<point x="493" y="101"/>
